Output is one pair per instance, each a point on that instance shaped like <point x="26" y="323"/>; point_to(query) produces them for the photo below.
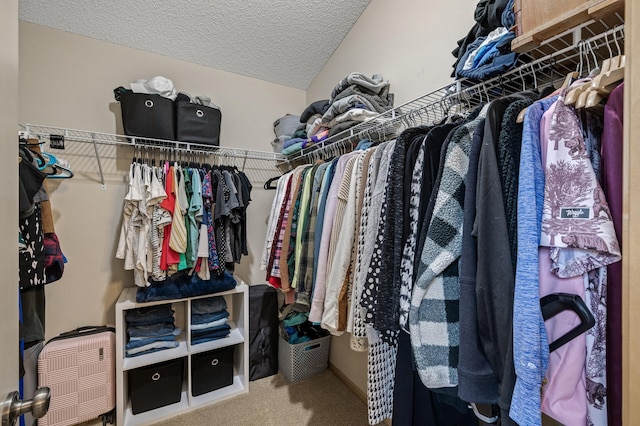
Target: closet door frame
<point x="9" y="196"/>
<point x="631" y="220"/>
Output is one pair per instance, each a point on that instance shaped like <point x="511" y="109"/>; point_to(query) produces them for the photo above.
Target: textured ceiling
<point x="281" y="41"/>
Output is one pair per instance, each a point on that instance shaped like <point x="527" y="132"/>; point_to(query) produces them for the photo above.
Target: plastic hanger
<point x="602" y="86"/>
<point x="606" y="81"/>
<point x="58" y="169"/>
<point x="574" y="93"/>
<point x="267" y="184"/>
<point x="611" y="73"/>
<point x="552" y="304"/>
<point x="567" y="81"/>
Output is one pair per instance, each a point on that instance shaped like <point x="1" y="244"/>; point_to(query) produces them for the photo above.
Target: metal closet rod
<point x="435" y="105"/>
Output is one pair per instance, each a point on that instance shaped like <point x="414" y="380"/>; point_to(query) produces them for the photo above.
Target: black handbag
<point x="197" y="123"/>
<point x="148" y="116"/>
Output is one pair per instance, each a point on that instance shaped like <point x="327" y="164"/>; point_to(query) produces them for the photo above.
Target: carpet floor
<point x="323" y="400"/>
<point x="320" y="400"/>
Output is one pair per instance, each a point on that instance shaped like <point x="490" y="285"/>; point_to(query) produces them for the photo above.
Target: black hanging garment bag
<point x="263" y="331"/>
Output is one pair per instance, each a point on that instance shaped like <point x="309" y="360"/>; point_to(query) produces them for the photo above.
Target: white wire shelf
<point x="83" y="145"/>
<point x="45" y="132"/>
<point x="577" y="49"/>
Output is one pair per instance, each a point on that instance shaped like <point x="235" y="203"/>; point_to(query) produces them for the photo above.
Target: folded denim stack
<point x="150" y="329"/>
<point x="209" y="319"/>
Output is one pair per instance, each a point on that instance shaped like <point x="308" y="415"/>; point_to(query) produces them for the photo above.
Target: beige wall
<point x="67" y="81"/>
<point x="409" y="43"/>
<point x="9" y="195"/>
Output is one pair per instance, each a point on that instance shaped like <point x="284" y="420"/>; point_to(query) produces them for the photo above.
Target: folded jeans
<point x="155" y="345"/>
<point x="208" y="305"/>
<point x="156" y="329"/>
<point x="205" y="318"/>
<point x="133" y="344"/>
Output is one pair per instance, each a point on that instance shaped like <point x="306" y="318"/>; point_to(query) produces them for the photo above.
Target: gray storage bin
<point x="303" y="360"/>
<point x="286" y="126"/>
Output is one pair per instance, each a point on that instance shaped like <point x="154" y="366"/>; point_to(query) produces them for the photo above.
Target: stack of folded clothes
<point x="150" y="329"/>
<point x="356" y="98"/>
<point x="486" y="50"/>
<point x="209" y="319"/>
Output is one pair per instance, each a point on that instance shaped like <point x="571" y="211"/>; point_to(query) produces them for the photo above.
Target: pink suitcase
<point x="79" y="368"/>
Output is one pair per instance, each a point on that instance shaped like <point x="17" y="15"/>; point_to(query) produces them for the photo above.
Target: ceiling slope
<point x="281" y="41"/>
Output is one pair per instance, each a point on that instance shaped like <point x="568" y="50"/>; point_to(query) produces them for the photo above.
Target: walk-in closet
<point x="411" y="213"/>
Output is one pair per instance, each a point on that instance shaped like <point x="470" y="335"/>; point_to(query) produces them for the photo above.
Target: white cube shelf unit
<point x="237" y="304"/>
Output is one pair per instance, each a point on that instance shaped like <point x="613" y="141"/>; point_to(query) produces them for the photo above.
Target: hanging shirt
<point x="612" y="169"/>
<point x="160" y="218"/>
<point x="578" y="227"/>
<point x="577" y="221"/>
<point x="127" y="244"/>
<point x="408" y="259"/>
<point x="530" y="345"/>
<point x="351" y="226"/>
<point x="317" y="304"/>
<point x="220" y="207"/>
<point x="373" y="241"/>
<point x="169" y="256"/>
<point x="144" y="214"/>
<point x="362" y="174"/>
<point x="272" y="221"/>
<point x="434" y="312"/>
<point x="368" y="219"/>
<point x="207" y="219"/>
<point x="322" y="202"/>
<point x="195" y="214"/>
<point x="285" y="277"/>
<point x="304" y="285"/>
<point x="303" y="222"/>
<point x="342" y="244"/>
<point x="273" y="263"/>
<point x="178" y="237"/>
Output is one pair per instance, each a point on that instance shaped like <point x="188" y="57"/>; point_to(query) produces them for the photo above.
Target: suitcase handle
<point x="80" y="330"/>
<point x="90" y="329"/>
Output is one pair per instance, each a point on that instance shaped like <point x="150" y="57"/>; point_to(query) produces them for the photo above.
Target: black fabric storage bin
<point x="197" y="123"/>
<point x="148" y="116"/>
<point x="263" y="331"/>
<point x="156" y="385"/>
<point x="211" y="370"/>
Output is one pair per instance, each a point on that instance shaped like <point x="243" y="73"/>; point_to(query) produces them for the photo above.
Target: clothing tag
<point x="56" y="141"/>
<point x="574" y="213"/>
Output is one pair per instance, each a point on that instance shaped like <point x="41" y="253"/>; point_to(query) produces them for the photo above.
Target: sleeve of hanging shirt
<point x="530" y="346"/>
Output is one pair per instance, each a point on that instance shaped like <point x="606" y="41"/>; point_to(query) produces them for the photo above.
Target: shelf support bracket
<point x="95" y="147"/>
